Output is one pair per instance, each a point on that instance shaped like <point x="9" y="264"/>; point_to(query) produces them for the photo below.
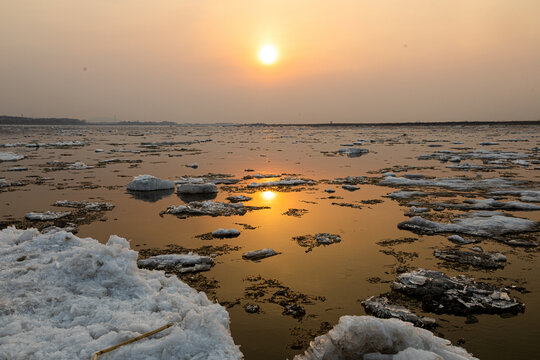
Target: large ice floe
<point x="212" y="208"/>
<point x="450" y="183"/>
<point x="10" y="156"/>
<point x="478" y="223"/>
<point x="455" y="295"/>
<point x="149" y="183"/>
<point x="192" y="188"/>
<point x="65" y="297"/>
<point x="369" y="338"/>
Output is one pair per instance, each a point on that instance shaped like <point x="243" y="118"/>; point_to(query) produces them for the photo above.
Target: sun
<point x="268" y="54"/>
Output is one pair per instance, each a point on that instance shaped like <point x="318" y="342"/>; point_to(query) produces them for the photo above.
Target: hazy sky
<point x="340" y="61"/>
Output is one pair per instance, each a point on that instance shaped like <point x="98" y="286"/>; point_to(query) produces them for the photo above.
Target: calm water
<point x="338" y="272"/>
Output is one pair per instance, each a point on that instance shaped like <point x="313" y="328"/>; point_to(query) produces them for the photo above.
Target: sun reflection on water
<point x="268" y="195"/>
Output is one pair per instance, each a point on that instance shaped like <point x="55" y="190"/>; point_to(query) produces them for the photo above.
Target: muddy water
<point x="344" y="273"/>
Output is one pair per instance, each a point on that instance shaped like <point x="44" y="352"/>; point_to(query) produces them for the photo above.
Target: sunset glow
<point x="268" y="195"/>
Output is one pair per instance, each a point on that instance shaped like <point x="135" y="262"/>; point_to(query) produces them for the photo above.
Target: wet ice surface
<point x="468" y="195"/>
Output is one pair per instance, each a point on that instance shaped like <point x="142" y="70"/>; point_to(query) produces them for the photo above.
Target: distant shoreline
<point x="18" y="120"/>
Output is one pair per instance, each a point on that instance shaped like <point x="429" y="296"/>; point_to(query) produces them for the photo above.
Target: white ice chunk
<point x="222" y="233"/>
<point x="10" y="156"/>
<point x="183" y="263"/>
<point x="356" y="336"/>
<point x="47" y="215"/>
<point x="259" y="254"/>
<point x="149" y="183"/>
<point x="197" y="188"/>
<point x="69" y="297"/>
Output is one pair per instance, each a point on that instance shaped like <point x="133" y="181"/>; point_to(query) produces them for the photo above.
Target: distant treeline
<point x="20" y="120"/>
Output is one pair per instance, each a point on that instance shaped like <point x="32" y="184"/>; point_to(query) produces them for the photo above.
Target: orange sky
<point x="340" y="61"/>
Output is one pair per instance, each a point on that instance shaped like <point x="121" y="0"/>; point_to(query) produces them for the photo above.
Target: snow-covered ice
<point x="381" y="308"/>
<point x="149" y="183"/>
<point x="89" y="206"/>
<point x="208" y="207"/>
<point x="488" y="224"/>
<point x="367" y="337"/>
<point x="182" y="263"/>
<point x="259" y="254"/>
<point x="66" y="297"/>
<point x="238" y="198"/>
<point x="78" y="165"/>
<point x="225" y="233"/>
<point x="47" y="215"/>
<point x="197" y="188"/>
<point x="10" y="156"/>
<point x="284" y="182"/>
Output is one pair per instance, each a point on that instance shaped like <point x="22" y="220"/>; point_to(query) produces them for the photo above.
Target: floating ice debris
<point x="264" y="176"/>
<point x="10" y="156"/>
<point x="455" y="159"/>
<point x="456" y="239"/>
<point x="47" y="215"/>
<point x="350" y="187"/>
<point x="252" y="308"/>
<point x="452" y="183"/>
<point x="193" y="166"/>
<point x="294" y="310"/>
<point x="490" y="204"/>
<point x="388" y="174"/>
<point x="197" y="188"/>
<point x="330" y="191"/>
<point x="212" y="208"/>
<point x="89" y="206"/>
<point x="327" y="238"/>
<point x="526" y="195"/>
<point x="182" y="263"/>
<point x="487" y="260"/>
<point x="190" y="180"/>
<point x="259" y="254"/>
<point x="488" y="224"/>
<point x="238" y="198"/>
<point x="79" y="166"/>
<point x="62" y="144"/>
<point x="225" y="233"/>
<point x="99" y="150"/>
<point x="413" y="210"/>
<point x="488" y="143"/>
<point x="350" y="180"/>
<point x="353" y="152"/>
<point x="69" y="297"/>
<point x="368" y="338"/>
<point x="18" y="168"/>
<point x="406" y="194"/>
<point x="149" y="183"/>
<point x="310" y="241"/>
<point x="379" y="307"/>
<point x="284" y="182"/>
<point x="455" y="295"/>
<point x="524" y="163"/>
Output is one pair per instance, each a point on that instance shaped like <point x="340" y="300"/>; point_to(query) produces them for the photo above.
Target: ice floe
<point x="456" y="239"/>
<point x="89" y="206"/>
<point x="406" y="194"/>
<point x="46" y="216"/>
<point x="10" y="156"/>
<point x="451" y="183"/>
<point x="525" y="195"/>
<point x="455" y="295"/>
<point x="225" y="233"/>
<point x="197" y="188"/>
<point x="353" y="152"/>
<point x="350" y="187"/>
<point x="487" y="224"/>
<point x="284" y="182"/>
<point x="78" y="165"/>
<point x="381" y="308"/>
<point x="182" y="263"/>
<point x="487" y="260"/>
<point x="149" y="183"/>
<point x="370" y="338"/>
<point x="238" y="198"/>
<point x="259" y="254"/>
<point x="66" y="297"/>
<point x="212" y="208"/>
